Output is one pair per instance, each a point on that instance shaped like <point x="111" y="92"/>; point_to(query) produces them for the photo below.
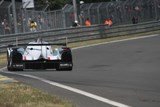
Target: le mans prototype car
<point x="39" y="55"/>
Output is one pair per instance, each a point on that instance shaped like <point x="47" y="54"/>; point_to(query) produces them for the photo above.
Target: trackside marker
<point x="93" y="96"/>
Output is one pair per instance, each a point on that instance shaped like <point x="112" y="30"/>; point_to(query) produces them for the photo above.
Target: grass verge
<point x="3" y="60"/>
<point x="16" y="94"/>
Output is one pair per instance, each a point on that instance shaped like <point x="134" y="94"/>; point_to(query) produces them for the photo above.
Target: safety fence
<point x="121" y="13"/>
<point x="78" y="34"/>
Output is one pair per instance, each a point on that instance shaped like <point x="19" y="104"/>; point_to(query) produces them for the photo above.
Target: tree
<point x="53" y="4"/>
<point x="58" y="4"/>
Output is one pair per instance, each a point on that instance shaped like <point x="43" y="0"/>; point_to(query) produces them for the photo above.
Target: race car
<point x="39" y="55"/>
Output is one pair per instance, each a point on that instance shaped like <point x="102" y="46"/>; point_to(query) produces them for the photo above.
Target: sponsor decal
<point x="65" y="65"/>
<point x="18" y="65"/>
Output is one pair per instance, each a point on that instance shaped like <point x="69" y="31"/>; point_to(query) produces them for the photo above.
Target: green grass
<point x="3" y="60"/>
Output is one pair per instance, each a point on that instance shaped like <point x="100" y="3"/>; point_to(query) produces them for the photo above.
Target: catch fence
<point x="79" y="33"/>
<point x="121" y="12"/>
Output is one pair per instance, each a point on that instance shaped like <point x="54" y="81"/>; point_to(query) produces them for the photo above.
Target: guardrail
<point x="78" y="33"/>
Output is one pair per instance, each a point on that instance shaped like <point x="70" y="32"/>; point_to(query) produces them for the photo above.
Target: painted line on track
<point x="93" y="96"/>
<point x="115" y="41"/>
<point x="3" y="68"/>
<point x="81" y="92"/>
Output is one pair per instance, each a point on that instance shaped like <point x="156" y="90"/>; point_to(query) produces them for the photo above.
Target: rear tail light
<point x="49" y="58"/>
<point x="24" y="58"/>
<point x="65" y="48"/>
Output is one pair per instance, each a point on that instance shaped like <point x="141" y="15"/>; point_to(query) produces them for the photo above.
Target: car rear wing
<point x="40" y="43"/>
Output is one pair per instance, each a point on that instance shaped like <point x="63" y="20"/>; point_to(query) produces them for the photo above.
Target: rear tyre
<point x="10" y="66"/>
<point x="10" y="58"/>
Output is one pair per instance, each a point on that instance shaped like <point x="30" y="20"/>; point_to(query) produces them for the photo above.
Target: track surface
<point x="127" y="72"/>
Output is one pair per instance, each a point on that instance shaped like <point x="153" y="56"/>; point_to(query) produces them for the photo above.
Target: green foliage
<point x="53" y="4"/>
<point x="58" y="4"/>
<point x="92" y="1"/>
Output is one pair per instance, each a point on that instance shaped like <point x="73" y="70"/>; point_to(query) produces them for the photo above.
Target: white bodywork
<point x="42" y="51"/>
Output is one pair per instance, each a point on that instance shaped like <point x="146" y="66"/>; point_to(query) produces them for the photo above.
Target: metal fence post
<point x="125" y="19"/>
<point x="156" y="13"/>
<point x="64" y="19"/>
<point x="9" y="14"/>
<point x="1" y="2"/>
<point x="51" y="20"/>
<point x="55" y="19"/>
<point x="158" y="6"/>
<point x="89" y="13"/>
<point x="14" y="16"/>
<point x="75" y="10"/>
<point x="98" y="11"/>
<point x="107" y="9"/>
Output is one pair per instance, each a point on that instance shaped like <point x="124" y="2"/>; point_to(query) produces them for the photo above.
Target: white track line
<point x="115" y="41"/>
<point x="3" y="68"/>
<point x="93" y="96"/>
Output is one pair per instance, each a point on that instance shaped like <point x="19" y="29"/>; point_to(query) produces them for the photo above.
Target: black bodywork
<point x="15" y="62"/>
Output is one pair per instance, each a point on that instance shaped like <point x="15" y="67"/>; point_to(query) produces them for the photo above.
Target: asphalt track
<point x="125" y="72"/>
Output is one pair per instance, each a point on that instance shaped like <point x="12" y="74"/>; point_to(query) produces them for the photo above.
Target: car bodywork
<point x="39" y="55"/>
